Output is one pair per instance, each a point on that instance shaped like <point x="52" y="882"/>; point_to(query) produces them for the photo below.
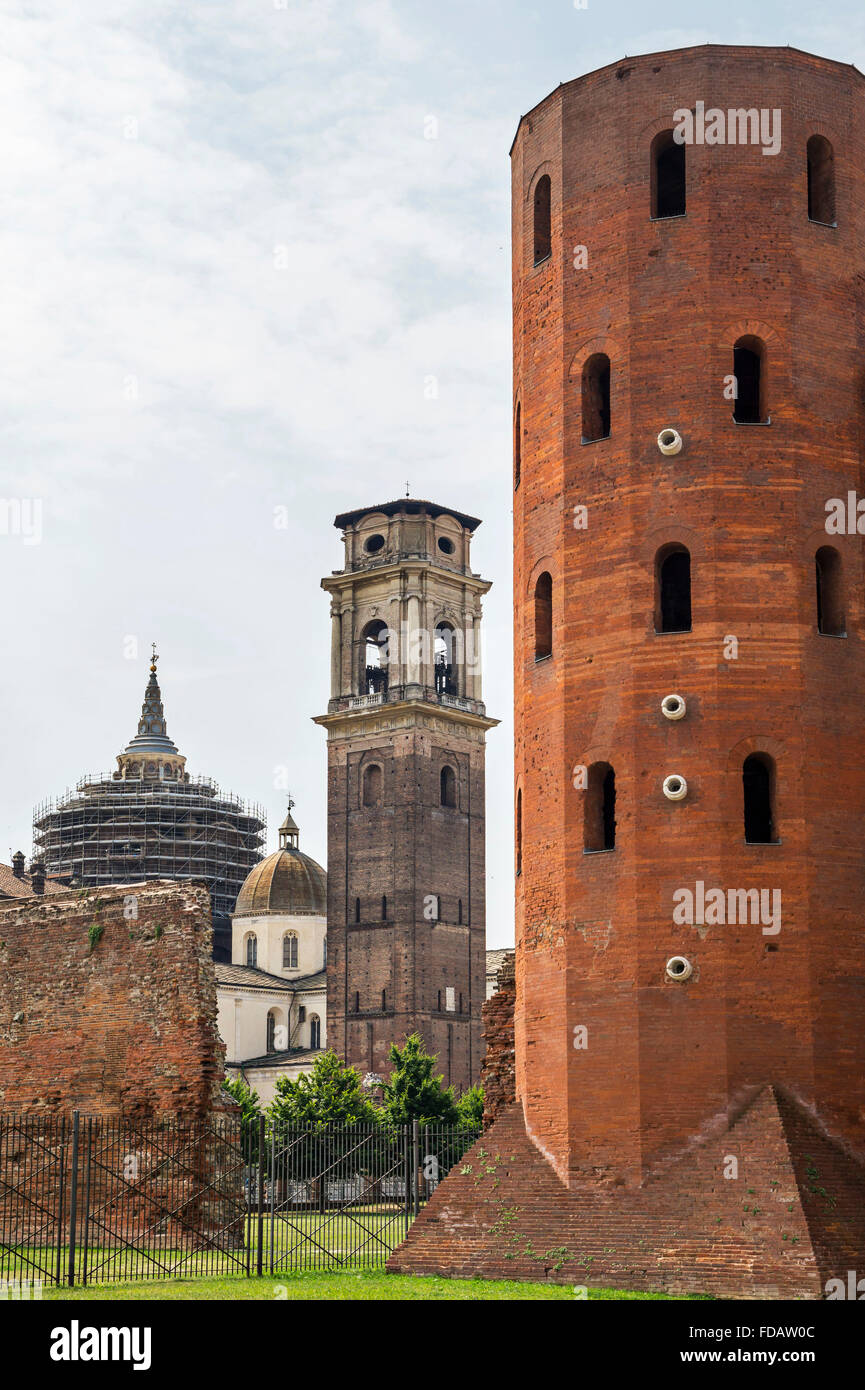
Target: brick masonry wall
<point x="787" y="1219"/>
<point x="497" y="1071"/>
<point x="126" y="1025"/>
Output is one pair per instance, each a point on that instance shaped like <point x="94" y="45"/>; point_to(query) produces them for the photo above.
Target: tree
<point x="470" y="1106"/>
<point x="250" y="1110"/>
<point x="413" y="1092"/>
<point x="324" y="1151"/>
<point x="330" y="1093"/>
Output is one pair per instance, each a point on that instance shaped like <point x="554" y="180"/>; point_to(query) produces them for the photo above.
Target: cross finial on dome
<point x="289" y="835"/>
<point x="154" y="656"/>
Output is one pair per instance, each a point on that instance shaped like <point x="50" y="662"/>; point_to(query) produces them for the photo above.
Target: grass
<point x="300" y="1239"/>
<point x="371" y="1285"/>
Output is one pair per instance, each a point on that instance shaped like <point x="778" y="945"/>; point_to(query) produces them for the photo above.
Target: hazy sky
<point x="229" y="261"/>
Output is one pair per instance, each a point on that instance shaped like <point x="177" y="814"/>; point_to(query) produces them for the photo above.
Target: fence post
<point x="260" y="1222"/>
<point x="415" y="1164"/>
<point x="88" y="1131"/>
<point x="61" y="1205"/>
<point x="73" y="1199"/>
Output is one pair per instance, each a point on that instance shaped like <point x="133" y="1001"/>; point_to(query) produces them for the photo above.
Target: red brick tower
<point x="688" y="326"/>
<point x="406" y="727"/>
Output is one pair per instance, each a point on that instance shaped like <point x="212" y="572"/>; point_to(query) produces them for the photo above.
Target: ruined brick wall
<point x="497" y="1070"/>
<point x="106" y="1012"/>
<point x="666" y="300"/>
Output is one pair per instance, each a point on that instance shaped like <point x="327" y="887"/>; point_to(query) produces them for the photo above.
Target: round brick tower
<point x="723" y="283"/>
<point x="689" y="1109"/>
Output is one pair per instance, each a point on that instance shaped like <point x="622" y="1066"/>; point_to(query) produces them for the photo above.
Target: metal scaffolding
<point x="114" y="829"/>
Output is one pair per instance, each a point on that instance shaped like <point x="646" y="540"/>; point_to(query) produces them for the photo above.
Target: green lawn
<point x="300" y="1239"/>
<point x="369" y="1285"/>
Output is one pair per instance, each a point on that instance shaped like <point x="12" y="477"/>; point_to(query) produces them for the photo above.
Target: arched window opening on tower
<point x="543" y="616"/>
<point x="252" y="949"/>
<point x="668" y="176"/>
<point x="271" y="1031"/>
<point x="289" y="951"/>
<point x="821" y="181"/>
<point x="596" y="398"/>
<point x="314" y="1031"/>
<point x="374" y="658"/>
<point x="448" y="786"/>
<point x="445" y="663"/>
<point x="830" y="592"/>
<point x="673" y="589"/>
<point x="518" y="446"/>
<point x="599" y="809"/>
<point x="749" y="371"/>
<point x="372" y="785"/>
<point x="519" y="831"/>
<point x="758" y="786"/>
<point x="543" y="231"/>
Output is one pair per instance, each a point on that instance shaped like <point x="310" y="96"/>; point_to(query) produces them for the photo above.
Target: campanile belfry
<point x="406" y="729"/>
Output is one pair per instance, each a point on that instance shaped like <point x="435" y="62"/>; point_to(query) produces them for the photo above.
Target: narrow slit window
<point x="668" y="176"/>
<point x="596" y="398"/>
<point x="542" y="220"/>
<point x="372" y="785"/>
<point x="673" y="590"/>
<point x="448" y="787"/>
<point x="830" y="592"/>
<point x="758" y="787"/>
<point x="821" y="181"/>
<point x="518" y="446"/>
<point x="599" y="809"/>
<point x="543" y="616"/>
<point x="749" y="372"/>
<point x="383" y="908"/>
<point x="357" y="909"/>
<point x="519" y="831"/>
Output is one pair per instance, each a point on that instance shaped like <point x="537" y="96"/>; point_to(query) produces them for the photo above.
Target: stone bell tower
<point x="406" y="731"/>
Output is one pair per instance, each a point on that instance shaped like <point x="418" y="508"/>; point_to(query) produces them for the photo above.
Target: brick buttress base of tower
<point x="793" y="1219"/>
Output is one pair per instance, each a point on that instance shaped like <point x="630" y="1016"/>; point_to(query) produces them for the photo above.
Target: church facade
<point x="272" y="996"/>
